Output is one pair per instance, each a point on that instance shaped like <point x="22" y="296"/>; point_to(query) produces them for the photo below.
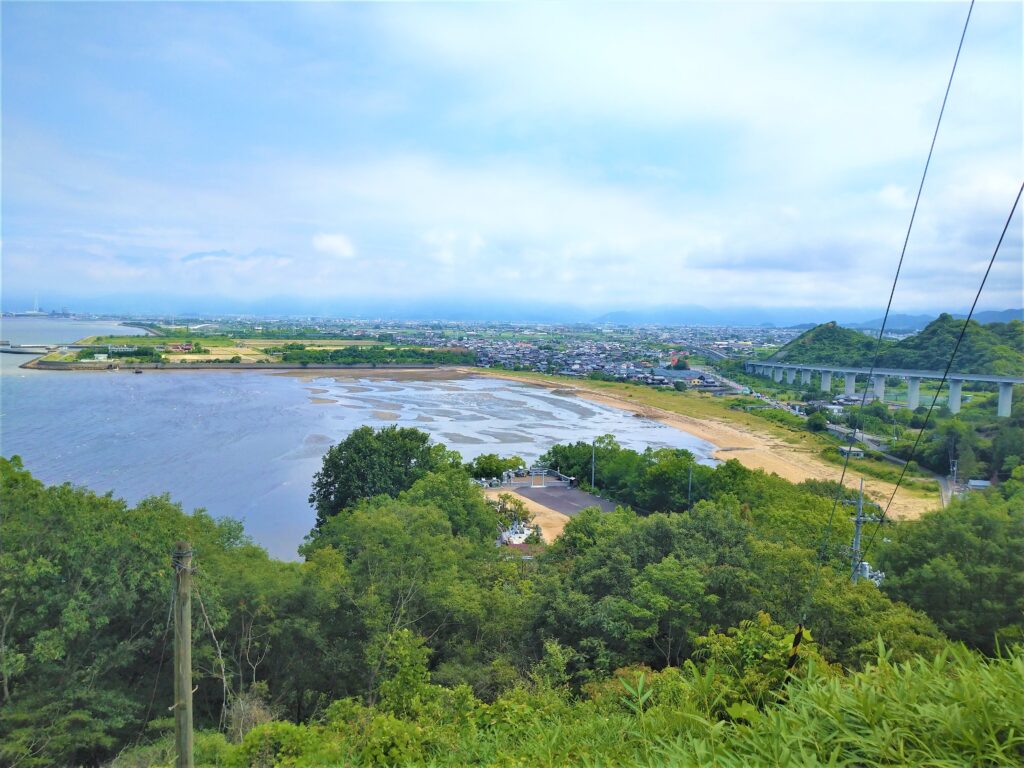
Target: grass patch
<point x="880" y="469"/>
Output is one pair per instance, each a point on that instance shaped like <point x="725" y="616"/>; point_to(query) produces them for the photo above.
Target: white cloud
<point x="339" y="246"/>
<point x="895" y="196"/>
<point x="825" y="113"/>
<point x="511" y="231"/>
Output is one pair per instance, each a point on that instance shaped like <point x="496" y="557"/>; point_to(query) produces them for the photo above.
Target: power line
<point x="160" y="665"/>
<point x="826" y="537"/>
<point x="945" y="373"/>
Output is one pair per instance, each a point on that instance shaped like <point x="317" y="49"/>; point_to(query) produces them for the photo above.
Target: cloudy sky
<point x="315" y="157"/>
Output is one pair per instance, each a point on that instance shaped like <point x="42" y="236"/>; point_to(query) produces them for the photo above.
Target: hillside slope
<point x="996" y="348"/>
<point x="829" y="344"/>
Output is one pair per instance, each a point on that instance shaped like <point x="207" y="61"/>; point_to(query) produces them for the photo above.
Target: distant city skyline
<point x="754" y="159"/>
<point x="527" y="314"/>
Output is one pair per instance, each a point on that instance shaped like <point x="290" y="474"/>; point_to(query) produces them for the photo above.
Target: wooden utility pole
<point x="182" y="562"/>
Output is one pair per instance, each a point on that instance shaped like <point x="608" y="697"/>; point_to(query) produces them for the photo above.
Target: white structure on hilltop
<point x="514" y="535"/>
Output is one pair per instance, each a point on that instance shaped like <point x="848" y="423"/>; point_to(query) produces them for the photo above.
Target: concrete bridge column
<point x="1005" y="399"/>
<point x="878" y="385"/>
<point x="777" y="374"/>
<point x="955" y="386"/>
<point x="850" y="383"/>
<point x="790" y="375"/>
<point x="826" y="381"/>
<point x="913" y="392"/>
<point x="805" y="376"/>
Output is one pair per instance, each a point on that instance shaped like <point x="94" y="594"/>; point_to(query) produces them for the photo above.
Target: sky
<point x="330" y="158"/>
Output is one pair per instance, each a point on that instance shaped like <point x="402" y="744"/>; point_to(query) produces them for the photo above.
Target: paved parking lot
<point x="568" y="501"/>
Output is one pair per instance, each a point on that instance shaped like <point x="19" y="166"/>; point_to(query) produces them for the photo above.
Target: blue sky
<point x="317" y="157"/>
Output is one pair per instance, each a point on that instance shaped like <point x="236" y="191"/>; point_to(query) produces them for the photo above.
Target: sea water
<point x="246" y="444"/>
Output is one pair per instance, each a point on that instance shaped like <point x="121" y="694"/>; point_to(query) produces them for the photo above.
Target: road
<point x="568" y="501"/>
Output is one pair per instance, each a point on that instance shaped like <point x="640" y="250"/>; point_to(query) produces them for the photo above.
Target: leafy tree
<point x="951" y="439"/>
<point x="510" y="509"/>
<point x="817" y="422"/>
<point x="489" y="465"/>
<point x="370" y="462"/>
<point x="84" y="584"/>
<point x="964" y="565"/>
<point x="461" y="500"/>
<point x="1007" y="450"/>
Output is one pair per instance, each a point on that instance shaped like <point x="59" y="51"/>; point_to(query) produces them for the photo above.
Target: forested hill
<point x="830" y="344"/>
<point x="992" y="348"/>
<point x="996" y="348"/>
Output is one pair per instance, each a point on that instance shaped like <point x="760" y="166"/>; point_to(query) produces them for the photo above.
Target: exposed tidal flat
<point x="246" y="444"/>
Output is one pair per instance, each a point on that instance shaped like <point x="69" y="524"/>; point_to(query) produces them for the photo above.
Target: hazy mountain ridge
<point x="918" y="322"/>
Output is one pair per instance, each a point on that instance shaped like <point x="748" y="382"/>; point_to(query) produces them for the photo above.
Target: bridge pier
<point x="878" y="386"/>
<point x="779" y="371"/>
<point x="1005" y="399"/>
<point x="955" y="387"/>
<point x="913" y="392"/>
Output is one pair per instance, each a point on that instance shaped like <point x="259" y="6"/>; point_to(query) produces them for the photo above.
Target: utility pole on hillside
<point x="181" y="560"/>
<point x="593" y="463"/>
<point x="858" y="523"/>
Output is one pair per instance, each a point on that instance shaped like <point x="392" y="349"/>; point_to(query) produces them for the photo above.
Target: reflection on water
<point x="246" y="444"/>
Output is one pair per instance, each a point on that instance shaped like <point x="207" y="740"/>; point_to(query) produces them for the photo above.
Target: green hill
<point x="830" y="344"/>
<point x="996" y="348"/>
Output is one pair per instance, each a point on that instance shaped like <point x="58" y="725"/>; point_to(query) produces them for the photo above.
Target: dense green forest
<point x="373" y="355"/>
<point x="829" y="344"/>
<point x="405" y="636"/>
<point x="996" y="348"/>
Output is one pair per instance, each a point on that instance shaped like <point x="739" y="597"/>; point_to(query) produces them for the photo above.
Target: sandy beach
<point x="753" y="449"/>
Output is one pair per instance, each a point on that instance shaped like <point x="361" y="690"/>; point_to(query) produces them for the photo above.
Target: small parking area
<point x="568" y="501"/>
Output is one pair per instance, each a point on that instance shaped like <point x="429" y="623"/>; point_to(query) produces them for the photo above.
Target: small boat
<point x="138" y="370"/>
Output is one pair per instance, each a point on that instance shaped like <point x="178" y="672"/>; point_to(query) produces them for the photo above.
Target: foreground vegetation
<point x="404" y="636"/>
<point x="925" y="712"/>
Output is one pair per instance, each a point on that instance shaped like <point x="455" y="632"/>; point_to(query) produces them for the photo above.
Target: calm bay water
<point x="246" y="444"/>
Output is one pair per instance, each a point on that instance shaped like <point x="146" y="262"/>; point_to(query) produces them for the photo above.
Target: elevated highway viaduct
<point x="955" y="381"/>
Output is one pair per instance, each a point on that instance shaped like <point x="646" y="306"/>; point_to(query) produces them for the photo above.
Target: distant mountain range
<point x="511" y="309"/>
<point x="692" y="314"/>
<point x="917" y="322"/>
<point x="996" y="348"/>
<point x="783" y="318"/>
